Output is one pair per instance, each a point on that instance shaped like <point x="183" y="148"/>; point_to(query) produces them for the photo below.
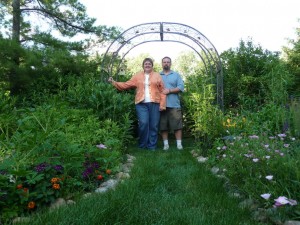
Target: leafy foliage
<point x="293" y="61"/>
<point x="250" y="76"/>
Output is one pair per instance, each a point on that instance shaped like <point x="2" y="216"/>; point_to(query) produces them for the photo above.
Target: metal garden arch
<point x="167" y="32"/>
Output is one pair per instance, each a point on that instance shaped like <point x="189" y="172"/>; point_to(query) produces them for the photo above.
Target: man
<point x="171" y="118"/>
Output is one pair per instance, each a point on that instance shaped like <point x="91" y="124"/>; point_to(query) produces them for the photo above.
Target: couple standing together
<point x="157" y="103"/>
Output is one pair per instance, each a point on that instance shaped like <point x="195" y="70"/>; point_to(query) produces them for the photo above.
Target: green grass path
<point x="165" y="188"/>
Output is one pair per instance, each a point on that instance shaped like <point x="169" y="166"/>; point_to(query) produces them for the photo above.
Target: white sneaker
<point x="166" y="147"/>
<point x="179" y="147"/>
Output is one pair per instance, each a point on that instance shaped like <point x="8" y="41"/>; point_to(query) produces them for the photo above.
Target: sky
<point x="269" y="23"/>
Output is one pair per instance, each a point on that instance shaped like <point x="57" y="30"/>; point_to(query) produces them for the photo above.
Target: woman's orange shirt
<point x="156" y="87"/>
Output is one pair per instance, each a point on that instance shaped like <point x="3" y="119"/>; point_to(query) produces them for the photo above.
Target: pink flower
<point x="286" y="145"/>
<point x="255" y="160"/>
<point x="282" y="200"/>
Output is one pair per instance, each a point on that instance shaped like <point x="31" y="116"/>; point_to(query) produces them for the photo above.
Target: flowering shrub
<point x="27" y="189"/>
<point x="263" y="167"/>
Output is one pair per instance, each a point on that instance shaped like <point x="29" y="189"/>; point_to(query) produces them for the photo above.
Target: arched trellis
<point x="167" y="32"/>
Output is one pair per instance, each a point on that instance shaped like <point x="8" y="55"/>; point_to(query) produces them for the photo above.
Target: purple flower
<point x="286" y="145"/>
<point x="58" y="167"/>
<point x="87" y="172"/>
<point x="95" y="165"/>
<point x="41" y="167"/>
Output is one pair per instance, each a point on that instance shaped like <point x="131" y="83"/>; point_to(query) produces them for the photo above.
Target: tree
<point x="253" y="76"/>
<point x="65" y="17"/>
<point x="293" y="62"/>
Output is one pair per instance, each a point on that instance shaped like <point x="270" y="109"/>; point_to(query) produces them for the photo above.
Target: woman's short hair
<point x="147" y="60"/>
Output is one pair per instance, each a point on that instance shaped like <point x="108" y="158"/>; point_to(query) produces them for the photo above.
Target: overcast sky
<point x="224" y="22"/>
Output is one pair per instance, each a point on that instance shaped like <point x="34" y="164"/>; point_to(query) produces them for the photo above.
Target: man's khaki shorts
<point x="171" y="119"/>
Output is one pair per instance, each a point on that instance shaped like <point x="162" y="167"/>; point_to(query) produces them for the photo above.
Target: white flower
<point x="269" y="177"/>
<point x="255" y="160"/>
<point x="266" y="196"/>
<point x="12" y="179"/>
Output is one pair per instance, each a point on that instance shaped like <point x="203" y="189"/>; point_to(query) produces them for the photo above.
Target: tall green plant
<point x="202" y="116"/>
<point x="106" y="102"/>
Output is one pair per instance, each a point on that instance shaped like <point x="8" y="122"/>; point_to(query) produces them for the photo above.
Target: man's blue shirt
<point x="171" y="81"/>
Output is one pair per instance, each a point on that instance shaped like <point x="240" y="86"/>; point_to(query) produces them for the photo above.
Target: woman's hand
<point x="162" y="108"/>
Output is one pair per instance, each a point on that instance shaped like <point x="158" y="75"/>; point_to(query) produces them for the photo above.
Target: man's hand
<point x="166" y="91"/>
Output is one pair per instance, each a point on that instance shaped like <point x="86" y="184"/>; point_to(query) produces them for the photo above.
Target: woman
<point x="149" y="101"/>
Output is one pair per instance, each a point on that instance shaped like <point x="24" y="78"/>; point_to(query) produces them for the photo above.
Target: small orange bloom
<point x="19" y="186"/>
<point x="55" y="180"/>
<point x="108" y="171"/>
<point x="56" y="186"/>
<point x="25" y="189"/>
<point x="31" y="205"/>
